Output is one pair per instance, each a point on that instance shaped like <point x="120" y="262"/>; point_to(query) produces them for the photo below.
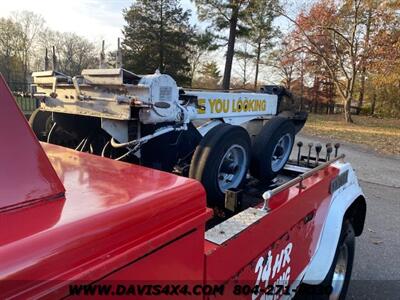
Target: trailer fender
<point x="347" y="201"/>
<point x="206" y="127"/>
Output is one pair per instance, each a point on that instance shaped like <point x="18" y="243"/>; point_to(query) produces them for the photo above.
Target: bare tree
<point x="9" y="58"/>
<point x="74" y="53"/>
<point x="244" y="58"/>
<point x="364" y="56"/>
<point x="200" y="45"/>
<point x="31" y="24"/>
<point x="261" y="30"/>
<point x="340" y="33"/>
<point x="284" y="60"/>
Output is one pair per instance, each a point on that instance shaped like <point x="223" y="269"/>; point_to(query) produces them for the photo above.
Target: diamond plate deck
<point x="233" y="226"/>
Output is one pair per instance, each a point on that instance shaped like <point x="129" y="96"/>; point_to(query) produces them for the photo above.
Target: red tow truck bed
<point x="113" y="213"/>
<point x="111" y="216"/>
<point x="150" y="230"/>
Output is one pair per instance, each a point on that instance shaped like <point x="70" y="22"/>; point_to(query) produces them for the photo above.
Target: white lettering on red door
<point x="267" y="269"/>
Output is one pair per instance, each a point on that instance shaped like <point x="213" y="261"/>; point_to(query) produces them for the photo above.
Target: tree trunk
<point x="289" y="81"/>
<point x="231" y="49"/>
<point x="362" y="88"/>
<point x="25" y="88"/>
<point x="161" y="49"/>
<point x="373" y="104"/>
<point x="244" y="73"/>
<point x="347" y="110"/>
<point x="364" y="67"/>
<point x="316" y="93"/>
<point x="7" y="68"/>
<point x="257" y="65"/>
<point x="301" y="85"/>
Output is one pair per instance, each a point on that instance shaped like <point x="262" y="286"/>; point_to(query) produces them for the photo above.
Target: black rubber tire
<point x="40" y="122"/>
<point x="324" y="289"/>
<point x="208" y="154"/>
<point x="264" y="144"/>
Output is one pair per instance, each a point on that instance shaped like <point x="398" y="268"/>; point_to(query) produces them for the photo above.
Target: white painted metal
<point x="121" y="87"/>
<point x="107" y="76"/>
<point x="329" y="238"/>
<point x="225" y="105"/>
<point x="163" y="101"/>
<point x="118" y="94"/>
<point x="206" y="127"/>
<point x="116" y="128"/>
<point x="241" y="120"/>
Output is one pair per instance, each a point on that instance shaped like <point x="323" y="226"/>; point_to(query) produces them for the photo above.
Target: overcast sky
<point x="94" y="19"/>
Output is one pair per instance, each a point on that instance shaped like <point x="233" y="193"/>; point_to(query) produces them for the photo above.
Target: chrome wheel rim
<point x="232" y="168"/>
<point x="339" y="274"/>
<point x="281" y="152"/>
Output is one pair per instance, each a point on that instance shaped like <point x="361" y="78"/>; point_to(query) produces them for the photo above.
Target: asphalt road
<point x="376" y="270"/>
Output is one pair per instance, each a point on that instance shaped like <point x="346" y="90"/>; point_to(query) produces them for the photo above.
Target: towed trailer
<point x="76" y="224"/>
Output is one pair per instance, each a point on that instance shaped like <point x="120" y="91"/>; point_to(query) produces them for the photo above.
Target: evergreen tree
<point x="210" y="71"/>
<point x="157" y="35"/>
<point x="262" y="31"/>
<point x="226" y="15"/>
<point x="201" y="44"/>
<point x="209" y="76"/>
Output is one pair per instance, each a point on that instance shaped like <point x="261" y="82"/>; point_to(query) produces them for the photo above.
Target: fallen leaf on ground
<point x="377" y="242"/>
<point x="382" y="135"/>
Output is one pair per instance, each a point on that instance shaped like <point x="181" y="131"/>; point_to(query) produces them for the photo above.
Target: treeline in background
<point x="326" y="52"/>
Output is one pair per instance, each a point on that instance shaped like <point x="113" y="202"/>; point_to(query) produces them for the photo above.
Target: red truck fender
<point x="348" y="202"/>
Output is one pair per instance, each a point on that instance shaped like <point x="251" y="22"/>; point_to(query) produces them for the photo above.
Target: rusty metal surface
<point x="102" y="93"/>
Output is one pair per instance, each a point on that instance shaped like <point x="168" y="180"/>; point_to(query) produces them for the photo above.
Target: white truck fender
<point x="341" y="200"/>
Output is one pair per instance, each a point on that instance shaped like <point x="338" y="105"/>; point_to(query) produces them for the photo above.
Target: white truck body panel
<point x="341" y="200"/>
